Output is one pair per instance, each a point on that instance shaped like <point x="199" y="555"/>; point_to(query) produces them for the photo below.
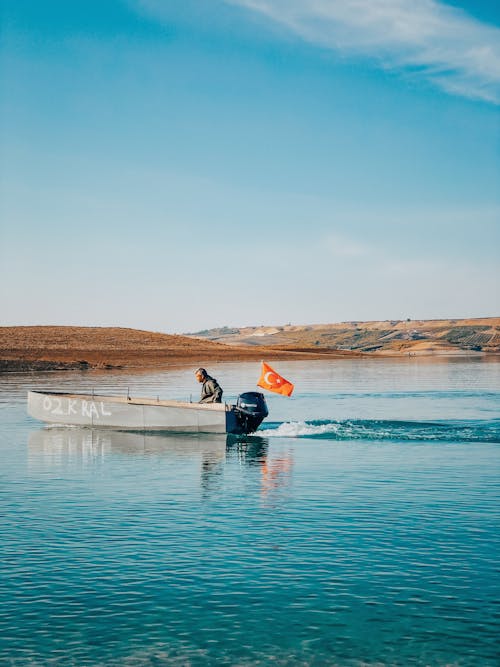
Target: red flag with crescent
<point x="271" y="381"/>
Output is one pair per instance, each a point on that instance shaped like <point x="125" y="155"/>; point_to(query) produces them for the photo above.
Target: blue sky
<point x="175" y="166"/>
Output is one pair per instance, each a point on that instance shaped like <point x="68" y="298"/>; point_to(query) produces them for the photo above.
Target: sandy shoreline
<point x="160" y="361"/>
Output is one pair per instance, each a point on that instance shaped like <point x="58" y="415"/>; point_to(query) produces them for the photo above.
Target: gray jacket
<point x="211" y="391"/>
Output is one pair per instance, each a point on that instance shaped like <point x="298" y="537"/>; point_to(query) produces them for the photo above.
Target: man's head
<point x="201" y="374"/>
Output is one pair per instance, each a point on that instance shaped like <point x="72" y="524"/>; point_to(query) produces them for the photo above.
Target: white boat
<point x="146" y="414"/>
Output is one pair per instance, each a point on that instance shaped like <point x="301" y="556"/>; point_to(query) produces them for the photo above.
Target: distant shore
<point x="40" y="348"/>
<point x="445" y="337"/>
<point x="107" y="348"/>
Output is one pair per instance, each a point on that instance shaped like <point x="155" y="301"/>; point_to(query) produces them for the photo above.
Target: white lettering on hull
<point x="63" y="407"/>
<point x="103" y="411"/>
<point x="58" y="408"/>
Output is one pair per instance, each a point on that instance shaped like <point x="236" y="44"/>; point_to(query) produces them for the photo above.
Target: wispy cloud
<point x="342" y="246"/>
<point x="442" y="43"/>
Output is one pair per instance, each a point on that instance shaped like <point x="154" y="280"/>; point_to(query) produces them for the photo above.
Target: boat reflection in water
<point x="58" y="448"/>
<point x="60" y="444"/>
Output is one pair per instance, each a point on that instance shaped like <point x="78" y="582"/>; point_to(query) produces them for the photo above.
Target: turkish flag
<point x="271" y="381"/>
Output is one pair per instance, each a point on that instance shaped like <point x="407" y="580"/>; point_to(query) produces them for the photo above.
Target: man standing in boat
<point x="210" y="391"/>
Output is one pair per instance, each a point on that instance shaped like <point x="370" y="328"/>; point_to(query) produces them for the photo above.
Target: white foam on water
<point x="298" y="429"/>
<point x="383" y="430"/>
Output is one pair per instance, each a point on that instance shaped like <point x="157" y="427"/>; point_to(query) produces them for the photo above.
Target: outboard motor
<point x="250" y="410"/>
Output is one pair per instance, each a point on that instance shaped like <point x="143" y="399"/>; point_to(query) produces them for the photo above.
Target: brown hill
<point x="390" y="337"/>
<point x="47" y="347"/>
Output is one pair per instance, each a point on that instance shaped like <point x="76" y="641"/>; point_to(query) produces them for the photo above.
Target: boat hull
<point x="124" y="413"/>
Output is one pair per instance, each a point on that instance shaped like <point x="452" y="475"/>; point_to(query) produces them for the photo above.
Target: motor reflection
<point x="275" y="469"/>
<point x="249" y="449"/>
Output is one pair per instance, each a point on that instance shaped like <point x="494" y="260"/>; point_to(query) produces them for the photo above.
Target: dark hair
<point x="201" y="371"/>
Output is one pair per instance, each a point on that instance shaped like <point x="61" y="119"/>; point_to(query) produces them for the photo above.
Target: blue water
<point x="359" y="527"/>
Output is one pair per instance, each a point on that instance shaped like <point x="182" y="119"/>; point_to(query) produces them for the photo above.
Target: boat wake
<point x="375" y="429"/>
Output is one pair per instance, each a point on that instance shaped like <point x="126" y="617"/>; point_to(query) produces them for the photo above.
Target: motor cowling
<point x="251" y="410"/>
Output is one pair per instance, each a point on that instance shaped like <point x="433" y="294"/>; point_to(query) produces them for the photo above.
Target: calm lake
<point x="360" y="526"/>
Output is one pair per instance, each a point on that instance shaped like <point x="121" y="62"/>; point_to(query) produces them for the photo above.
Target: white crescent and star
<point x="268" y="374"/>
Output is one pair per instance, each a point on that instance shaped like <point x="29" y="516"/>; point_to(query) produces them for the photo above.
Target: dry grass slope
<point x="48" y="347"/>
